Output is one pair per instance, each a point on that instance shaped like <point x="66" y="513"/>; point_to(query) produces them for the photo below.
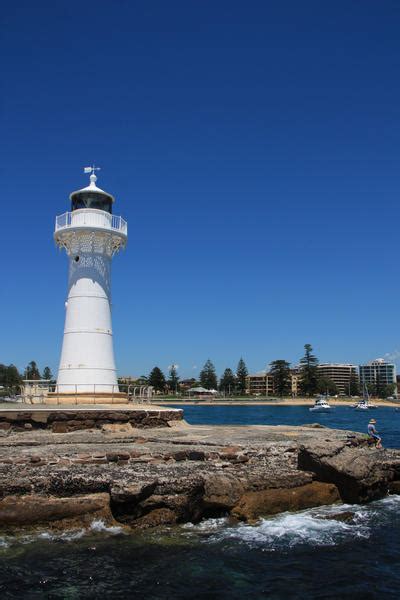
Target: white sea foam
<point x="100" y="526"/>
<point x="315" y="526"/>
<point x="97" y="526"/>
<point x="65" y="536"/>
<point x="294" y="529"/>
<point x="208" y="525"/>
<point x="310" y="527"/>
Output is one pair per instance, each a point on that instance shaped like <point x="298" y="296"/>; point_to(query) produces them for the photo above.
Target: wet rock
<point x="155" y="518"/>
<point x="345" y="517"/>
<point x="394" y="487"/>
<point x="31" y="509"/>
<point x="253" y="505"/>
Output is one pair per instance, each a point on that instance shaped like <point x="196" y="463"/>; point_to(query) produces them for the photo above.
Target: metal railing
<point x="75" y="393"/>
<point x="91" y="218"/>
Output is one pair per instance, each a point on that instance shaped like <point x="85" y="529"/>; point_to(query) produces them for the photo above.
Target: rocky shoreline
<point x="145" y="477"/>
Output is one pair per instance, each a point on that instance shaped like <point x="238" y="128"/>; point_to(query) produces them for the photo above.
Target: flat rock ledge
<point x="64" y="419"/>
<point x="140" y="478"/>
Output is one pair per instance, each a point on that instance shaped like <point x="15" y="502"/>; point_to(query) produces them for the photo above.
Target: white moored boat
<point x="364" y="403"/>
<point x="321" y="405"/>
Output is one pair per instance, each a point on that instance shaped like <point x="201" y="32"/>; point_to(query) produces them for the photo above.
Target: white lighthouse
<point x="91" y="235"/>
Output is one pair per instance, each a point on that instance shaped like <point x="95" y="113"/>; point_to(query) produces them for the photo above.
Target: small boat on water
<point x="321" y="405"/>
<point x="364" y="403"/>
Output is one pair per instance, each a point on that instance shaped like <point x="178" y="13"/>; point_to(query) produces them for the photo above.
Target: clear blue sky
<point x="253" y="147"/>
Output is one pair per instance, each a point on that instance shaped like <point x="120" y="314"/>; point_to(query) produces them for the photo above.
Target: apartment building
<point x="339" y="373"/>
<point x="378" y="371"/>
<point x="262" y="384"/>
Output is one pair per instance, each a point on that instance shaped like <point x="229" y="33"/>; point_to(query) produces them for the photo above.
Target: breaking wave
<point x="313" y="527"/>
<point x="96" y="527"/>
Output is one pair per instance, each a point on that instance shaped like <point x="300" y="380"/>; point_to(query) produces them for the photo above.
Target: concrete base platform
<point x="66" y="418"/>
<point x="86" y="398"/>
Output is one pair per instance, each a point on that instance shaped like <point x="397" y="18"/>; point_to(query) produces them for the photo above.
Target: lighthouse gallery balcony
<point x="90" y="218"/>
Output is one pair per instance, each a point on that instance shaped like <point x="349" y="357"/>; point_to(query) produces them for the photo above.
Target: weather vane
<point x="91" y="169"/>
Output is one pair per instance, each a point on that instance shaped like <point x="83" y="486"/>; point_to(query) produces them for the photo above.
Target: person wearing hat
<point x="373" y="434"/>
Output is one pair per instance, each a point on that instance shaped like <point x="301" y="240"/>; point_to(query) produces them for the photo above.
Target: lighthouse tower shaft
<point x="91" y="236"/>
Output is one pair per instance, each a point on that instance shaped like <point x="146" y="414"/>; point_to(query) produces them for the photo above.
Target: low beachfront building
<point x="262" y="384"/>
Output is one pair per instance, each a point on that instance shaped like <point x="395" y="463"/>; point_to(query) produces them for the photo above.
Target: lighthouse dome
<point x="92" y="197"/>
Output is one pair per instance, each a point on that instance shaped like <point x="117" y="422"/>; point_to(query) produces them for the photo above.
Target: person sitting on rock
<point x="373" y="434"/>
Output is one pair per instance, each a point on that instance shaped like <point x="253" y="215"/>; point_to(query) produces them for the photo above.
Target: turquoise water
<point x="306" y="555"/>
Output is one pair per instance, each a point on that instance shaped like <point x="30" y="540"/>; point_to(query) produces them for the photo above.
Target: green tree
<point x="47" y="374"/>
<point x="173" y="380"/>
<point x="308" y="371"/>
<point x="32" y="371"/>
<point x="10" y="378"/>
<point x="280" y="371"/>
<point x="241" y="375"/>
<point x="354" y="385"/>
<point x="388" y="390"/>
<point x="327" y="386"/>
<point x="157" y="379"/>
<point x="371" y="388"/>
<point x="3" y="370"/>
<point x="228" y="382"/>
<point x="208" y="377"/>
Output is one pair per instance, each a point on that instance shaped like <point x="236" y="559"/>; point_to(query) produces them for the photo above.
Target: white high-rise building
<point x="91" y="235"/>
<point x="378" y="371"/>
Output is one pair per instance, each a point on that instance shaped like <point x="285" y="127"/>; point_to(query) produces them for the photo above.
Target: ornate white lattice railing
<point x="89" y="217"/>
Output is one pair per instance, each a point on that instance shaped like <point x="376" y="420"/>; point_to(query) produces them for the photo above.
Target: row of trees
<point x="230" y="382"/>
<point x="311" y="383"/>
<point x="11" y="379"/>
<point x="309" y="380"/>
<point x="32" y="372"/>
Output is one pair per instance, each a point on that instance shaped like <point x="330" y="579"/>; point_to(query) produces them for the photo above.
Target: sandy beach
<point x="271" y="402"/>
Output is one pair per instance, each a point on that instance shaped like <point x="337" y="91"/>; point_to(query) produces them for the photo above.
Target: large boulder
<point x="360" y="473"/>
<point x="32" y="509"/>
<point x="253" y="505"/>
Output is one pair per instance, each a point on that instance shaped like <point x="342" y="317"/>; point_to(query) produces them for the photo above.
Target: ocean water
<point x="341" y="417"/>
<point x="294" y="555"/>
<point x="308" y="554"/>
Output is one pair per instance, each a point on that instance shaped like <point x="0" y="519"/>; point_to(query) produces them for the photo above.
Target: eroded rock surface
<point x="147" y="477"/>
<point x="361" y="473"/>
